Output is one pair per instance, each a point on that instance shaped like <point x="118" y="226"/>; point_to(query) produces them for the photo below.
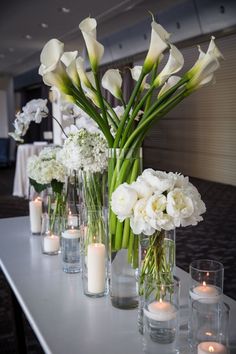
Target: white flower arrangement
<point x="34" y="111"/>
<point x="84" y="150"/>
<point x="44" y="169"/>
<point x="158" y="201"/>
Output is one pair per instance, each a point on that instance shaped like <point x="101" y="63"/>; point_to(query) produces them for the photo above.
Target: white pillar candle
<point x="51" y="244"/>
<point x="205" y="293"/>
<point x="71" y="233"/>
<point x="211" y="347"/>
<point x="161" y="311"/>
<point x="96" y="263"/>
<point x="35" y="211"/>
<point x="72" y="220"/>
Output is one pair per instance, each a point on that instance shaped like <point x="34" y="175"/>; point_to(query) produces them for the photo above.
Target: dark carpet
<point x="213" y="238"/>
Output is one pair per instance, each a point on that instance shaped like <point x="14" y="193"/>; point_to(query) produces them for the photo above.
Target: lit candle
<point x="96" y="263"/>
<point x="211" y="347"/>
<point x="51" y="244"/>
<point x="35" y="211"/>
<point x="205" y="293"/>
<point x="71" y="233"/>
<point x="161" y="311"/>
<point x="72" y="220"/>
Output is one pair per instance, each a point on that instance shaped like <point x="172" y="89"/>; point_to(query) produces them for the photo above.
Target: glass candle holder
<point x="35" y="213"/>
<point x="70" y="245"/>
<point x="161" y="315"/>
<point x="94" y="254"/>
<point x="51" y="232"/>
<point x="206" y="281"/>
<point x="209" y="327"/>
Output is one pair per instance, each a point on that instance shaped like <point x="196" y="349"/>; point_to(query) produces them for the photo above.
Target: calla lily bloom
<point x="172" y="81"/>
<point x="159" y="42"/>
<point x="82" y="74"/>
<point x="94" y="48"/>
<point x="136" y="72"/>
<point x="73" y="73"/>
<point x="173" y="65"/>
<point x="50" y="56"/>
<point x="68" y="57"/>
<point x="203" y="70"/>
<point x="112" y="81"/>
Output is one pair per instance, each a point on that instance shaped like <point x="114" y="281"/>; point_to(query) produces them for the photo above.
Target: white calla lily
<point x="173" y="65"/>
<point x="203" y="70"/>
<point x="68" y="57"/>
<point x="94" y="48"/>
<point x="136" y="72"/>
<point x="81" y="71"/>
<point x="172" y="81"/>
<point x="50" y="55"/>
<point x="73" y="73"/>
<point x="112" y="81"/>
<point x="158" y="43"/>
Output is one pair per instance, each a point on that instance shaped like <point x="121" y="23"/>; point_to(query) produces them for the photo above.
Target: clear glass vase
<point x="157" y="263"/>
<point x="94" y="189"/>
<point x="125" y="165"/>
<point x="95" y="253"/>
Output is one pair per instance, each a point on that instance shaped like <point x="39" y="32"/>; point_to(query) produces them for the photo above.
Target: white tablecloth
<point x="21" y="181"/>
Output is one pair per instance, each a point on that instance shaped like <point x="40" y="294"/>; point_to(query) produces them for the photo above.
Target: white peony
<point x="123" y="200"/>
<point x="179" y="205"/>
<point x="143" y="188"/>
<point x="159" y="180"/>
<point x="139" y="221"/>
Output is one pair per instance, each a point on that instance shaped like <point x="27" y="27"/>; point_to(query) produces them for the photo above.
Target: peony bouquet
<point x="155" y="93"/>
<point x="157" y="202"/>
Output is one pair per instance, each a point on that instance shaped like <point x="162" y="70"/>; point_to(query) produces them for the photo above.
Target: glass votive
<point x="161" y="315"/>
<point x="70" y="245"/>
<point x="206" y="281"/>
<point x="94" y="254"/>
<point x="209" y="327"/>
<point x="50" y="231"/>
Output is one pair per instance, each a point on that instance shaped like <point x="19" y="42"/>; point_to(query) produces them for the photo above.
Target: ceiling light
<point x="11" y="49"/>
<point x="2" y="56"/>
<point x="65" y="10"/>
<point x="44" y="25"/>
<point x="28" y="36"/>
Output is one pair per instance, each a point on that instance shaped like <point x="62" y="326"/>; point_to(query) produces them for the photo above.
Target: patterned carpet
<point x="214" y="238"/>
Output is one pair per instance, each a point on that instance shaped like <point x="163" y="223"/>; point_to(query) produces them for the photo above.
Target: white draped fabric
<point x="21" y="181"/>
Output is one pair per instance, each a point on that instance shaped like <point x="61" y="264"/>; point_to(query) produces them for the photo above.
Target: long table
<point x="63" y="319"/>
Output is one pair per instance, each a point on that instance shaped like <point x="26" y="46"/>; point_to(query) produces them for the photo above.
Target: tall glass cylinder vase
<point x="73" y="194"/>
<point x="94" y="189"/>
<point x="125" y="165"/>
<point x="157" y="262"/>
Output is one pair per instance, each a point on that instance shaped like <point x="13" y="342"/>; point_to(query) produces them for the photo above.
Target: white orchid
<point x="94" y="48"/>
<point x="172" y="81"/>
<point x="173" y="65"/>
<point x="203" y="70"/>
<point x="35" y="110"/>
<point x="112" y="81"/>
<point x="123" y="201"/>
<point x="158" y="43"/>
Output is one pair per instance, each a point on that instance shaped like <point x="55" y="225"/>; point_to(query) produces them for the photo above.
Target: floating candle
<point x="161" y="311"/>
<point x="205" y="293"/>
<point x="211" y="347"/>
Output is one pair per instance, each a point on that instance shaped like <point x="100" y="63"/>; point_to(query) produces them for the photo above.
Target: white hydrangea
<point x="84" y="150"/>
<point x="166" y="201"/>
<point x="45" y="168"/>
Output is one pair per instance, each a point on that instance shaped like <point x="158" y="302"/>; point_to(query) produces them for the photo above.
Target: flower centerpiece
<point x="155" y="93"/>
<point x="46" y="171"/>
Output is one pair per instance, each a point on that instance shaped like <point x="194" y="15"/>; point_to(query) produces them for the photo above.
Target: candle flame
<point x="204" y="283"/>
<point x="161" y="300"/>
<point x="69" y="212"/>
<point x="207" y="274"/>
<point x="208" y="334"/>
<point x="211" y="349"/>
